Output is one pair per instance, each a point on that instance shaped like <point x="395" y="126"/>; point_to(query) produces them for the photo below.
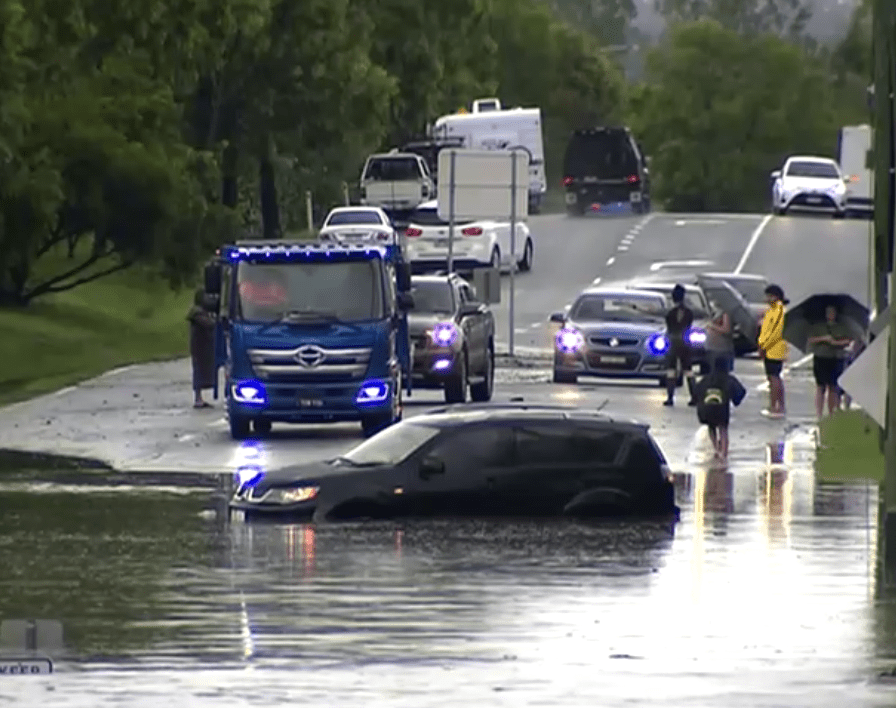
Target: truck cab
<point x="311" y="333"/>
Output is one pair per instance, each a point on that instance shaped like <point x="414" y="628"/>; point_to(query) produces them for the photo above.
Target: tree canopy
<point x="151" y="131"/>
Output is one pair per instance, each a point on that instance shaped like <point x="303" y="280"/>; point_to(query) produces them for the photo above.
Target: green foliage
<point x="782" y="17"/>
<point x="720" y="110"/>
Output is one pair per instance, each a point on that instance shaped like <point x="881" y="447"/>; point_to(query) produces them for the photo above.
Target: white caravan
<point x="855" y="163"/>
<point x="491" y="127"/>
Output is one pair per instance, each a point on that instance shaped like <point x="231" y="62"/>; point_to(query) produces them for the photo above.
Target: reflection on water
<point x="760" y="597"/>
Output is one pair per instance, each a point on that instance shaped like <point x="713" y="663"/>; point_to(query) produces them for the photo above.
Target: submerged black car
<point x="497" y="460"/>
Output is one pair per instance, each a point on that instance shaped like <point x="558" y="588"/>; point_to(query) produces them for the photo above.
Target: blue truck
<point x="311" y="333"/>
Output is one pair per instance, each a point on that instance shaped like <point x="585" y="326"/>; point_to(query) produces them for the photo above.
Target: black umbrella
<point x="799" y="319"/>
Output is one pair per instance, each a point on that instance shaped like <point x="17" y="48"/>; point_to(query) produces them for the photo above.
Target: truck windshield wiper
<point x="296" y="316"/>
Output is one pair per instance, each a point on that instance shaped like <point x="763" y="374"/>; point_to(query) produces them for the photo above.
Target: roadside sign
<point x="482" y="184"/>
<point x="866" y="378"/>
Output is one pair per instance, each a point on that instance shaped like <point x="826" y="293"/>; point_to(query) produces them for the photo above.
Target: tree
<point x="607" y="20"/>
<point x="781" y="17"/>
<point x="719" y="111"/>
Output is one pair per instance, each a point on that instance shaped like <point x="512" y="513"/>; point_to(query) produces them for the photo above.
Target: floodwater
<point x="763" y="595"/>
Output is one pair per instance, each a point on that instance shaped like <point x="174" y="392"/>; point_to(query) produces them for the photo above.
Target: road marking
<point x="220" y="423"/>
<point x="622" y="248"/>
<point x="798" y="364"/>
<point x="659" y="265"/>
<point x="708" y="222"/>
<point x="521" y="330"/>
<point x="611" y="261"/>
<point x="596" y="281"/>
<point x="186" y="438"/>
<point x="63" y="391"/>
<point x="535" y="324"/>
<point x="757" y="232"/>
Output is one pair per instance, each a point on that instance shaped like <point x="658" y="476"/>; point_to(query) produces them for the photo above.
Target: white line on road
<point x="622" y="248"/>
<point x="63" y="391"/>
<point x="596" y="281"/>
<point x="186" y="438"/>
<point x="535" y="324"/>
<point x="611" y="261"/>
<point x="757" y="232"/>
<point x="798" y="364"/>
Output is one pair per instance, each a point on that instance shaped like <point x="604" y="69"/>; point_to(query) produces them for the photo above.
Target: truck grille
<point x="310" y="363"/>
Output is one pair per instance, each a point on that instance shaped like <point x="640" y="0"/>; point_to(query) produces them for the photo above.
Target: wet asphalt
<point x="763" y="595"/>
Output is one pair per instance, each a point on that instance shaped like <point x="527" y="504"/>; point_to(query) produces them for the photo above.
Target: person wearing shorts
<point x="679" y="360"/>
<point x="829" y="341"/>
<point x="713" y="394"/>
<point x="773" y="349"/>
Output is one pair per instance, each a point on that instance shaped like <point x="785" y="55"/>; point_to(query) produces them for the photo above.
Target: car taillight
<point x="412" y="232"/>
<point x="633" y="178"/>
<point x="472" y="231"/>
<point x="567" y="181"/>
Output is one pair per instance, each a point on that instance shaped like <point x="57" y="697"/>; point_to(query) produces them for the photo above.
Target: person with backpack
<point x="713" y="393"/>
<point x="679" y="321"/>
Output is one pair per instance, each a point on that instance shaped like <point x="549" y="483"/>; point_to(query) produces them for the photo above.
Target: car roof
<point x="810" y="158"/>
<point x="621" y="290"/>
<point x="355" y="207"/>
<point x="652" y="286"/>
<point x="735" y="276"/>
<point x="518" y="412"/>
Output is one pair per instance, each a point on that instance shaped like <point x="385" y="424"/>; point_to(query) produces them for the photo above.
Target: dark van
<point x="605" y="167"/>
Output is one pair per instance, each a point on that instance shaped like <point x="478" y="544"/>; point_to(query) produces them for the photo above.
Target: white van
<point x="491" y="127"/>
<point x="855" y="163"/>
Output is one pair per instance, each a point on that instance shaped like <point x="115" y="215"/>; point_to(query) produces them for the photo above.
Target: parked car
<point x="614" y="332"/>
<point x="487" y="460"/>
<point x="453" y="338"/>
<point x="477" y="244"/>
<point x="358" y="224"/>
<point x="605" y="166"/>
<point x="809" y="184"/>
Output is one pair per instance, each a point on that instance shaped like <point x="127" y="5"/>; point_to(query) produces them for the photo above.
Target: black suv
<point x="487" y="460"/>
<point x="605" y="166"/>
<point x="453" y="338"/>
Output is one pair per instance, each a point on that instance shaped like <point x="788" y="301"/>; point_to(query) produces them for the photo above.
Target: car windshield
<point x="366" y="216"/>
<point x="435" y="297"/>
<point x="429" y="216"/>
<point x="693" y="299"/>
<point x="600" y="154"/>
<point x="621" y="307"/>
<point x="393" y="169"/>
<point x="299" y="292"/>
<point x="392" y="446"/>
<point x="822" y="170"/>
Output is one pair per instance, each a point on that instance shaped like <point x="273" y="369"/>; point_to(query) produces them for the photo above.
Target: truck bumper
<point x="318" y="403"/>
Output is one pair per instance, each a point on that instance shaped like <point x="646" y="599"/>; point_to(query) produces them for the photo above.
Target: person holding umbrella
<point x="829" y="341"/>
<point x="773" y="349"/>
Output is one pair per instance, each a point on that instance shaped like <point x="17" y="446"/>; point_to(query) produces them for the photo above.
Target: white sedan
<point x="809" y="183"/>
<point x="477" y="244"/>
<point x="358" y="224"/>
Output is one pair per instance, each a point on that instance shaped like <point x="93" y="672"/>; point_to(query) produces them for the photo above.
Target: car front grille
<point x="613" y="342"/>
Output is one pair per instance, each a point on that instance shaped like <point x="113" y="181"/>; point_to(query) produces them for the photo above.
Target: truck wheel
<point x="456" y="385"/>
<point x="482" y="392"/>
<point x="261" y="426"/>
<point x="239" y="427"/>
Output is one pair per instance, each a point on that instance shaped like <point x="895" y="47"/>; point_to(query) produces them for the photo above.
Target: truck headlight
<point x="249" y="392"/>
<point x="372" y="392"/>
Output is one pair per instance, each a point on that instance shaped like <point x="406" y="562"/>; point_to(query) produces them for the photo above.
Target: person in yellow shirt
<point x="773" y="349"/>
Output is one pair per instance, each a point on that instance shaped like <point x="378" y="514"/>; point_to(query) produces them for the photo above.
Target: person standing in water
<point x="773" y="349"/>
<point x="829" y="340"/>
<point x="679" y="321"/>
<point x="202" y="346"/>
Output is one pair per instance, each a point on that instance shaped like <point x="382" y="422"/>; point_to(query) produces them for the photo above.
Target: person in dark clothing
<point x="202" y="346"/>
<point x="829" y="341"/>
<point x="713" y="394"/>
<point x="679" y="321"/>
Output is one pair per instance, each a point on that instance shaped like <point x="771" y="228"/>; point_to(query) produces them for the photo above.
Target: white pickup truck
<point x="396" y="182"/>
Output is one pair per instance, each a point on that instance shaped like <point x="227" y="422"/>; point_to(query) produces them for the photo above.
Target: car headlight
<point x="697" y="337"/>
<point x="443" y="334"/>
<point x="658" y="344"/>
<point x="297" y="494"/>
<point x="570" y="340"/>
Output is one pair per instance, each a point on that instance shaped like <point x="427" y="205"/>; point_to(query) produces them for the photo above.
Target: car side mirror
<point x="405" y="301"/>
<point x="213" y="278"/>
<point x="776" y="174"/>
<point x="430" y="467"/>
<point x="469" y="308"/>
<point x="558" y="317"/>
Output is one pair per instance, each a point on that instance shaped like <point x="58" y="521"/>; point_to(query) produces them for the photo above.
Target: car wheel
<point x="525" y="265"/>
<point x="482" y="392"/>
<point x="456" y="385"/>
<point x="495" y="261"/>
<point x="239" y="427"/>
<point x="562" y="377"/>
<point x="261" y="426"/>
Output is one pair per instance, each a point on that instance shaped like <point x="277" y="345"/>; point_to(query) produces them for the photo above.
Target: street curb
<point x="109" y="477"/>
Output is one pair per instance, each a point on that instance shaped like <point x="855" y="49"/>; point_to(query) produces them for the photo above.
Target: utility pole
<point x="884" y="46"/>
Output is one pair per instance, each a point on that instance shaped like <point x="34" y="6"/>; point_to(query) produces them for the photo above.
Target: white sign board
<point x="478" y="184"/>
<point x="866" y="378"/>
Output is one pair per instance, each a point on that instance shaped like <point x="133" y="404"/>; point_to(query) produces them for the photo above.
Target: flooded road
<point x="762" y="596"/>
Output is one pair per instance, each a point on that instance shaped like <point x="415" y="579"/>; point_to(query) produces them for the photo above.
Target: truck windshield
<point x="393" y="169"/>
<point x="347" y="291"/>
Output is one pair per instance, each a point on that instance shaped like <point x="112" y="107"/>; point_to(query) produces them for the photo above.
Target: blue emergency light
<point x="283" y="252"/>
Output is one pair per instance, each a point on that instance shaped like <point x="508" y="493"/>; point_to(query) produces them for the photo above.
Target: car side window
<point x="545" y="444"/>
<point x="642" y="461"/>
<point x="474" y="448"/>
<point x="596" y="444"/>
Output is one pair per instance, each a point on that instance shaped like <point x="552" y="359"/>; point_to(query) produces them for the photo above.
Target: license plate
<point x="813" y="200"/>
<point x="310" y="402"/>
<point x="611" y="359"/>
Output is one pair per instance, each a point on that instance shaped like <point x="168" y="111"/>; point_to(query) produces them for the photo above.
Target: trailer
<point x="855" y="144"/>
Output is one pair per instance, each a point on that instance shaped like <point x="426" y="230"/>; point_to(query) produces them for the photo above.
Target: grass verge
<point x="849" y="451"/>
<point x="68" y="337"/>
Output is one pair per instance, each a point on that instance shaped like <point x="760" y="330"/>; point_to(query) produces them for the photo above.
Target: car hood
<point x="814" y="183"/>
<point x="420" y="323"/>
<point x="619" y="329"/>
